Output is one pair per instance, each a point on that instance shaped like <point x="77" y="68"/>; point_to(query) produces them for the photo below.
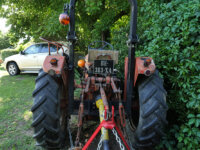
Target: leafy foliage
<point x="33" y="19"/>
<point x="169" y="32"/>
<point x="40" y="18"/>
<point x="4" y="41"/>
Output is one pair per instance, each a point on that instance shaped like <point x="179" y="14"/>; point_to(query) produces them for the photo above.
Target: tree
<point x="4" y="41"/>
<point x="40" y="18"/>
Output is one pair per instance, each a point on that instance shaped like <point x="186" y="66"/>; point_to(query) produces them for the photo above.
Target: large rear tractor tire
<point x="148" y="130"/>
<point x="47" y="117"/>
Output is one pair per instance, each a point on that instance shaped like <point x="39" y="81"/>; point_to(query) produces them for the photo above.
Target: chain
<point x="118" y="139"/>
<point x="100" y="143"/>
<point x="70" y="135"/>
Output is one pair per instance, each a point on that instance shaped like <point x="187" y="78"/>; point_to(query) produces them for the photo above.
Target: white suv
<point x="31" y="59"/>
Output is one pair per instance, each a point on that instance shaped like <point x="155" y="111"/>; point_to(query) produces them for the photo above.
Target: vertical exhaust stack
<point x="133" y="23"/>
<point x="131" y="54"/>
<point x="71" y="37"/>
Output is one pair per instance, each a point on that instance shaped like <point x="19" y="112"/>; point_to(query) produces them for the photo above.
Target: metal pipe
<point x="131" y="55"/>
<point x="106" y="145"/>
<point x="71" y="34"/>
<point x="87" y="85"/>
<point x="133" y="22"/>
<point x="103" y="96"/>
<point x="53" y="43"/>
<point x="71" y="38"/>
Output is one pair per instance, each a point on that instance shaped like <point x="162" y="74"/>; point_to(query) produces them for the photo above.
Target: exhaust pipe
<point x="131" y="55"/>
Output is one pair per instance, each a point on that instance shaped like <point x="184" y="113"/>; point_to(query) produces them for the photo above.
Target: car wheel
<point x="13" y="69"/>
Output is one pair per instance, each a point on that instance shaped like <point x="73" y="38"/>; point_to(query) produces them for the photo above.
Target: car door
<point x="43" y="52"/>
<point x="28" y="60"/>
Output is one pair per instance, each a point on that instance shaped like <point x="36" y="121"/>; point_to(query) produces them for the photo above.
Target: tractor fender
<point x="58" y="68"/>
<point x="140" y="68"/>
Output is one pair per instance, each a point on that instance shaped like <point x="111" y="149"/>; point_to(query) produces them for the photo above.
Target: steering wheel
<point x="100" y="45"/>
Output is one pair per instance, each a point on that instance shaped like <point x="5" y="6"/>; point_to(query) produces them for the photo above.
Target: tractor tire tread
<point x="147" y="137"/>
<point x="43" y="143"/>
<point x="46" y="112"/>
<point x="152" y="113"/>
<point x="161" y="102"/>
<point x="51" y="96"/>
<point x="40" y="87"/>
<point x="150" y="110"/>
<point x="39" y="133"/>
<point x="161" y="118"/>
<point x="150" y="124"/>
<point x="38" y="120"/>
<point x="40" y="76"/>
<point x="52" y="115"/>
<point x="38" y="104"/>
<point x="51" y="129"/>
<point x="53" y="141"/>
<point x="150" y="94"/>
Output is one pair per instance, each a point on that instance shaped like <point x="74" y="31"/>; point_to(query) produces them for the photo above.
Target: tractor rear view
<point x="133" y="109"/>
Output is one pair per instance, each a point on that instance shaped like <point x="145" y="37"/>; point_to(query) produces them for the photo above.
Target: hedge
<point x="8" y="52"/>
<point x="169" y="32"/>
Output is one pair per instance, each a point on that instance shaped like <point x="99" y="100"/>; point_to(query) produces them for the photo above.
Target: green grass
<point x="15" y="115"/>
<point x="1" y="67"/>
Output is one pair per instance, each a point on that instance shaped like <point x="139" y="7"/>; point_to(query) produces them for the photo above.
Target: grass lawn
<point x="15" y="115"/>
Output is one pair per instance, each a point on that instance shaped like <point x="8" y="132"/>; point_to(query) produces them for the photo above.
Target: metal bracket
<point x="66" y="8"/>
<point x="109" y="124"/>
<point x="132" y="41"/>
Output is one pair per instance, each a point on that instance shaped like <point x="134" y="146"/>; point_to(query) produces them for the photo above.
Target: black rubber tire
<point x="13" y="69"/>
<point x="152" y="114"/>
<point x="46" y="113"/>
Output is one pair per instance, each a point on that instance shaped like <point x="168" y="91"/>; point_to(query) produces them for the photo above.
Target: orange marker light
<point x="64" y="19"/>
<point x="54" y="61"/>
<point x="81" y="63"/>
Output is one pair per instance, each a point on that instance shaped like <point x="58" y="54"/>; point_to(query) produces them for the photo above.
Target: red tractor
<point x="134" y="108"/>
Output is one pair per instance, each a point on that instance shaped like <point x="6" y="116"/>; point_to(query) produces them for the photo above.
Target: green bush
<point x="8" y="52"/>
<point x="4" y="41"/>
<point x="169" y="33"/>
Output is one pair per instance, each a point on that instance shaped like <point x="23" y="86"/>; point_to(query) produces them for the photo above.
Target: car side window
<point x="32" y="49"/>
<point x="53" y="48"/>
<point x="45" y="49"/>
